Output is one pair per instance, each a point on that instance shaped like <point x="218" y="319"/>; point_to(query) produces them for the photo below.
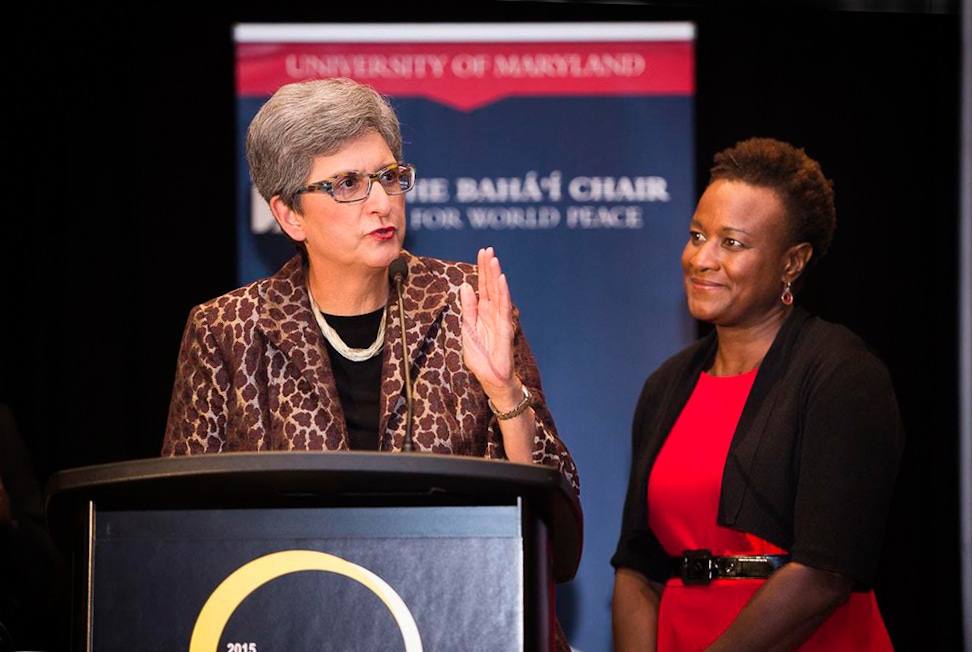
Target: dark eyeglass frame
<point x="327" y="185"/>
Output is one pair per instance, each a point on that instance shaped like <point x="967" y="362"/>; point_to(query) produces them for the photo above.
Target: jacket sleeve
<point x="196" y="420"/>
<point x="850" y="449"/>
<point x="637" y="547"/>
<point x="548" y="448"/>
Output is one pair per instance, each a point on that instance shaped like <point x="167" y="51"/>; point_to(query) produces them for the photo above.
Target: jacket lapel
<point x="752" y="426"/>
<point x="283" y="318"/>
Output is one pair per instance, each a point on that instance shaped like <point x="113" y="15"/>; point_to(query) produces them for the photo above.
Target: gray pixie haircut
<point x="307" y="119"/>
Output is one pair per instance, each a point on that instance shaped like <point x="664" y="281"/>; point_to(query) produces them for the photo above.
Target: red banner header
<point x="469" y="75"/>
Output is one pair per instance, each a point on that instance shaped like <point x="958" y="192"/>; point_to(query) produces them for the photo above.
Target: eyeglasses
<point x="347" y="187"/>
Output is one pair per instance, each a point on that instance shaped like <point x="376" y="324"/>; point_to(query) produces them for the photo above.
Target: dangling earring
<point x="787" y="296"/>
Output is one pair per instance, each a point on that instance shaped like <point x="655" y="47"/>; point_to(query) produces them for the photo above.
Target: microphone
<point x="397" y="272"/>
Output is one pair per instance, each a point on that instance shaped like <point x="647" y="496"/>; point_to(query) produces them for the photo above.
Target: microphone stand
<point x="398" y="270"/>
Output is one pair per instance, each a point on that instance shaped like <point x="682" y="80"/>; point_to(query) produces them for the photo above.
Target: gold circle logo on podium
<point x="249" y="577"/>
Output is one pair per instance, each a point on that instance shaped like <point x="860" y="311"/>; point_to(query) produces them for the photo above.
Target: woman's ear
<point x="795" y="261"/>
<point x="290" y="221"/>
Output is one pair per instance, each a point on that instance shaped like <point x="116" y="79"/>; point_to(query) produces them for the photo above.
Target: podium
<point x="254" y="552"/>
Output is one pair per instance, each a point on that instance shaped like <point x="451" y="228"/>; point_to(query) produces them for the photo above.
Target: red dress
<point x="683" y="498"/>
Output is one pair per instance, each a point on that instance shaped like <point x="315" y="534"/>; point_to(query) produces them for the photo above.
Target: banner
<point x="569" y="148"/>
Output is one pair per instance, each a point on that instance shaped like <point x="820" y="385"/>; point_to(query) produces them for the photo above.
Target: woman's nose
<point x="378" y="194"/>
<point x="703" y="257"/>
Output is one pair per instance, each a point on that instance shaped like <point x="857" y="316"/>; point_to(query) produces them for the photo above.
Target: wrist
<point x="515" y="410"/>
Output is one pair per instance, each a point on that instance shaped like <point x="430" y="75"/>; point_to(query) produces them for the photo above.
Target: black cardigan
<point x="813" y="460"/>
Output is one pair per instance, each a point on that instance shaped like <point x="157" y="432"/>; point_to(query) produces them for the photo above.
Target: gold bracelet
<point x="515" y="412"/>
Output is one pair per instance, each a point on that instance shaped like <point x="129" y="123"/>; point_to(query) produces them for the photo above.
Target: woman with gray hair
<point x="311" y="358"/>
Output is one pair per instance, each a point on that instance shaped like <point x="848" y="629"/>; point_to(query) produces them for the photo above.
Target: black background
<point x="120" y="215"/>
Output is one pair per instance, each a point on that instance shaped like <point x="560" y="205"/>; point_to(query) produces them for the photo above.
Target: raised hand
<point x="487" y="331"/>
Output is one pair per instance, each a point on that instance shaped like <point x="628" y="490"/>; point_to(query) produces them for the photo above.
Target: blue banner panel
<point x="570" y="150"/>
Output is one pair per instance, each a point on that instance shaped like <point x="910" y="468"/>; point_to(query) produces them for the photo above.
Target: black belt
<point x="700" y="567"/>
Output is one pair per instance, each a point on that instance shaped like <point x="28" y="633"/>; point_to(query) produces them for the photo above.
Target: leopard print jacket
<point x="253" y="374"/>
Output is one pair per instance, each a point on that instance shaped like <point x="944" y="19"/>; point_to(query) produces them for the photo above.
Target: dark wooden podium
<point x="253" y="552"/>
